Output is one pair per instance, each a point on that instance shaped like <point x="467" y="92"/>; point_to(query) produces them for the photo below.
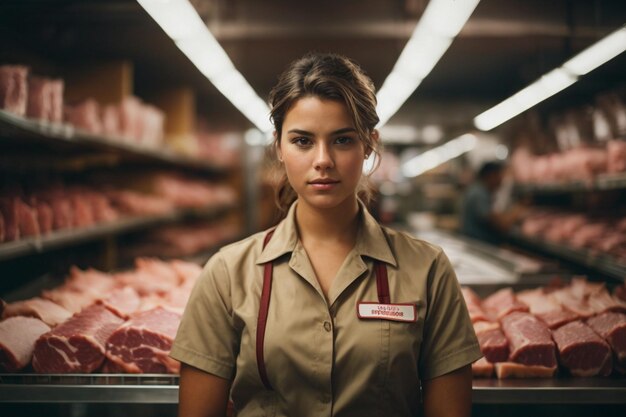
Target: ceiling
<point x="505" y="45"/>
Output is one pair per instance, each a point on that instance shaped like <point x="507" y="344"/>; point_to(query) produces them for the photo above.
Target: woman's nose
<point x="323" y="158"/>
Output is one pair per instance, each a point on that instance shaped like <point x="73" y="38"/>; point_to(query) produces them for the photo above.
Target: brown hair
<point x="332" y="77"/>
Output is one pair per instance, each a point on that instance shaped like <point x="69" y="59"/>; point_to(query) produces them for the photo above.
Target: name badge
<point x="395" y="312"/>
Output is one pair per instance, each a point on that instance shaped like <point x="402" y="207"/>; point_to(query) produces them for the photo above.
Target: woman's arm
<point x="201" y="394"/>
<point x="449" y="395"/>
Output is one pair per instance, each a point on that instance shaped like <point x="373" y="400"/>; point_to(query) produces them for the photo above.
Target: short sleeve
<point x="449" y="341"/>
<point x="206" y="338"/>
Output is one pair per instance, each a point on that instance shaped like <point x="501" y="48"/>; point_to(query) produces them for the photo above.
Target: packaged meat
<point x="77" y="345"/>
<point x="14" y="88"/>
<point x="17" y="341"/>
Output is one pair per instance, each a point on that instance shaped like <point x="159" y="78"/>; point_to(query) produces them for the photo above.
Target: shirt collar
<point x="371" y="240"/>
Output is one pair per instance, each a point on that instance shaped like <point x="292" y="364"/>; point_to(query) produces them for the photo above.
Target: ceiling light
<point x="554" y="81"/>
<point x="441" y="22"/>
<point x="181" y="23"/>
<point x="440" y="155"/>
<point x="598" y="53"/>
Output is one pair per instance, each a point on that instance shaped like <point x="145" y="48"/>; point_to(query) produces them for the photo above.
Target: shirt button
<point x="327" y="326"/>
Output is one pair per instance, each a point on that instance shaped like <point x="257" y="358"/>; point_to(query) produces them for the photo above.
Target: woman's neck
<point x="338" y="224"/>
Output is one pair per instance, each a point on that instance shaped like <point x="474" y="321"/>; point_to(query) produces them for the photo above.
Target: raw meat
<point x="582" y="351"/>
<point x="50" y="313"/>
<point x="14" y="88"/>
<point x="84" y="115"/>
<point x="17" y="341"/>
<point x="616" y="150"/>
<point x="78" y="345"/>
<point x="9" y="207"/>
<point x="45" y="99"/>
<point x="482" y="368"/>
<point x="492" y="342"/>
<point x="473" y="305"/>
<point x="142" y="344"/>
<point x="545" y="308"/>
<point x="505" y="370"/>
<point x="501" y="303"/>
<point x="612" y="327"/>
<point x="122" y="301"/>
<point x="530" y="341"/>
<point x="27" y="219"/>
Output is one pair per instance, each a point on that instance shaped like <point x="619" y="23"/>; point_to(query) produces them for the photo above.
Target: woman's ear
<point x="375" y="137"/>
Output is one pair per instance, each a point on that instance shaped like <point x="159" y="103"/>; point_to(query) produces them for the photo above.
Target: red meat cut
<point x="45" y="310"/>
<point x="78" y="345"/>
<point x="143" y="343"/>
<point x="501" y="303"/>
<point x="582" y="351"/>
<point x="530" y="341"/>
<point x="612" y="327"/>
<point x="17" y="340"/>
<point x="492" y="342"/>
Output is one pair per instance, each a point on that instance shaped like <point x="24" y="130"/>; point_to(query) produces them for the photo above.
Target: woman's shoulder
<point x="403" y="243"/>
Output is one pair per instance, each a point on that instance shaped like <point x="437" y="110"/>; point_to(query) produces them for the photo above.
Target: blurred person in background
<point x="480" y="217"/>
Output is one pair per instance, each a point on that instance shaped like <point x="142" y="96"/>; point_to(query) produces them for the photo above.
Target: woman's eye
<point x="344" y="140"/>
<point x="301" y="141"/>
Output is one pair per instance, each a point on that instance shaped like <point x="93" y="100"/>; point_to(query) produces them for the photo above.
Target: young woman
<point x="328" y="313"/>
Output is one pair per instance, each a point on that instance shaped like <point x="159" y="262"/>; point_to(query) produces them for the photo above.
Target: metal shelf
<point x="18" y="130"/>
<point x="89" y="388"/>
<point x="602" y="182"/>
<point x="550" y="391"/>
<point x="69" y="237"/>
<point x="163" y="389"/>
<point x="599" y="262"/>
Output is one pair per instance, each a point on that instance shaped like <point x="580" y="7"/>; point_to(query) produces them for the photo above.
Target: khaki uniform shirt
<point x="321" y="359"/>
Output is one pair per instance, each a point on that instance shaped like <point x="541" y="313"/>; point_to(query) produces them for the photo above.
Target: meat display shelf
<point x="602" y="182"/>
<point x="89" y="388"/>
<point x="69" y="237"/>
<point x="62" y="136"/>
<point x="163" y="389"/>
<point x="601" y="263"/>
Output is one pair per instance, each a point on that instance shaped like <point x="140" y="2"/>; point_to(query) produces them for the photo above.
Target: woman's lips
<point x="323" y="185"/>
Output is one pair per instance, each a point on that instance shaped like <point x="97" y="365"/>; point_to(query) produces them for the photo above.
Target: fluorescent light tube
<point x="598" y="53"/>
<point x="181" y="22"/>
<point x="441" y="22"/>
<point x="437" y="156"/>
<point x="554" y="81"/>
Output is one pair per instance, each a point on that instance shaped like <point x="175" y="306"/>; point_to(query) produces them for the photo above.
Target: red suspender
<point x="382" y="286"/>
<point x="262" y="321"/>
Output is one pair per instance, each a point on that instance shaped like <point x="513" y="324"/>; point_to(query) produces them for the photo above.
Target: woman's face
<point x="322" y="153"/>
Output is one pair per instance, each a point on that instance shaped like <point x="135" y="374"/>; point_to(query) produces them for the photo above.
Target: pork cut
<point x="582" y="351"/>
<point x="472" y="301"/>
<point x="545" y="308"/>
<point x="530" y="341"/>
<point x="612" y="327"/>
<point x="77" y="345"/>
<point x="142" y="344"/>
<point x="482" y="368"/>
<point x="505" y="370"/>
<point x="493" y="343"/>
<point x="17" y="341"/>
<point x="122" y="301"/>
<point x="45" y="310"/>
<point x="501" y="303"/>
